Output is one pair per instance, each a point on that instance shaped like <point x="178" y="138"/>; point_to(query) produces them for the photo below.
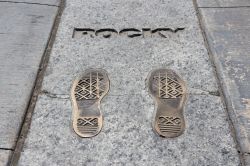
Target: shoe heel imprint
<point x="170" y="94"/>
<point x="87" y="93"/>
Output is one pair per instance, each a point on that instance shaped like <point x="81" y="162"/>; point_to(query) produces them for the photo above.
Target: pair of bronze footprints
<point x="165" y="86"/>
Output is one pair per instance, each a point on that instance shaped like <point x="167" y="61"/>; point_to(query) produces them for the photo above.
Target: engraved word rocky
<point x="127" y="32"/>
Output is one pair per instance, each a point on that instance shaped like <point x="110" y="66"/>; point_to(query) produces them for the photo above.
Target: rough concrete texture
<point x="223" y="3"/>
<point x="127" y="137"/>
<point x="4" y="157"/>
<point x="247" y="159"/>
<point x="24" y="31"/>
<point x="228" y="35"/>
<point x="41" y="2"/>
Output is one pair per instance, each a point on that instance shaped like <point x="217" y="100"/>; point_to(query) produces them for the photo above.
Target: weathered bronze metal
<point x="170" y="94"/>
<point x="87" y="93"/>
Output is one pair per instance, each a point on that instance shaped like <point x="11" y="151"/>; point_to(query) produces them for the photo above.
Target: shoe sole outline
<point x="87" y="92"/>
<point x="169" y="92"/>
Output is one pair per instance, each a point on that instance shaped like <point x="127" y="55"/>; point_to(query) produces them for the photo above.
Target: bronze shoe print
<point x="170" y="94"/>
<point x="86" y="94"/>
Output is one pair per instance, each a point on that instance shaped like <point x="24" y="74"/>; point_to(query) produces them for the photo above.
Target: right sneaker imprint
<point x="170" y="94"/>
<point x="86" y="94"/>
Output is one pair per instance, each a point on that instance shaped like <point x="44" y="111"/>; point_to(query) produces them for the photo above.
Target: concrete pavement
<point x="210" y="53"/>
<point x="226" y="25"/>
<point x="127" y="137"/>
<point x="24" y="31"/>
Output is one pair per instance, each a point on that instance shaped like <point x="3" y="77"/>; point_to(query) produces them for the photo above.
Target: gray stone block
<point x="24" y="31"/>
<point x="127" y="137"/>
<point x="4" y="157"/>
<point x="228" y="35"/>
<point x="223" y="3"/>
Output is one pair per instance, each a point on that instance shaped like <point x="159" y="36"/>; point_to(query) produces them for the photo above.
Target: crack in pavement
<point x="225" y="7"/>
<point x="6" y="149"/>
<point x="53" y="95"/>
<point x="192" y="92"/>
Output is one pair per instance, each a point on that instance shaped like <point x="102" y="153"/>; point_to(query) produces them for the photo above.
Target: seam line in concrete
<point x="30" y="3"/>
<point x="36" y="89"/>
<point x="6" y="149"/>
<point x="226" y="7"/>
<point x="219" y="81"/>
<point x="66" y="96"/>
<point x="54" y="95"/>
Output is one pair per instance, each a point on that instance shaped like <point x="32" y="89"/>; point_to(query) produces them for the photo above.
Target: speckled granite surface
<point x="127" y="137"/>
